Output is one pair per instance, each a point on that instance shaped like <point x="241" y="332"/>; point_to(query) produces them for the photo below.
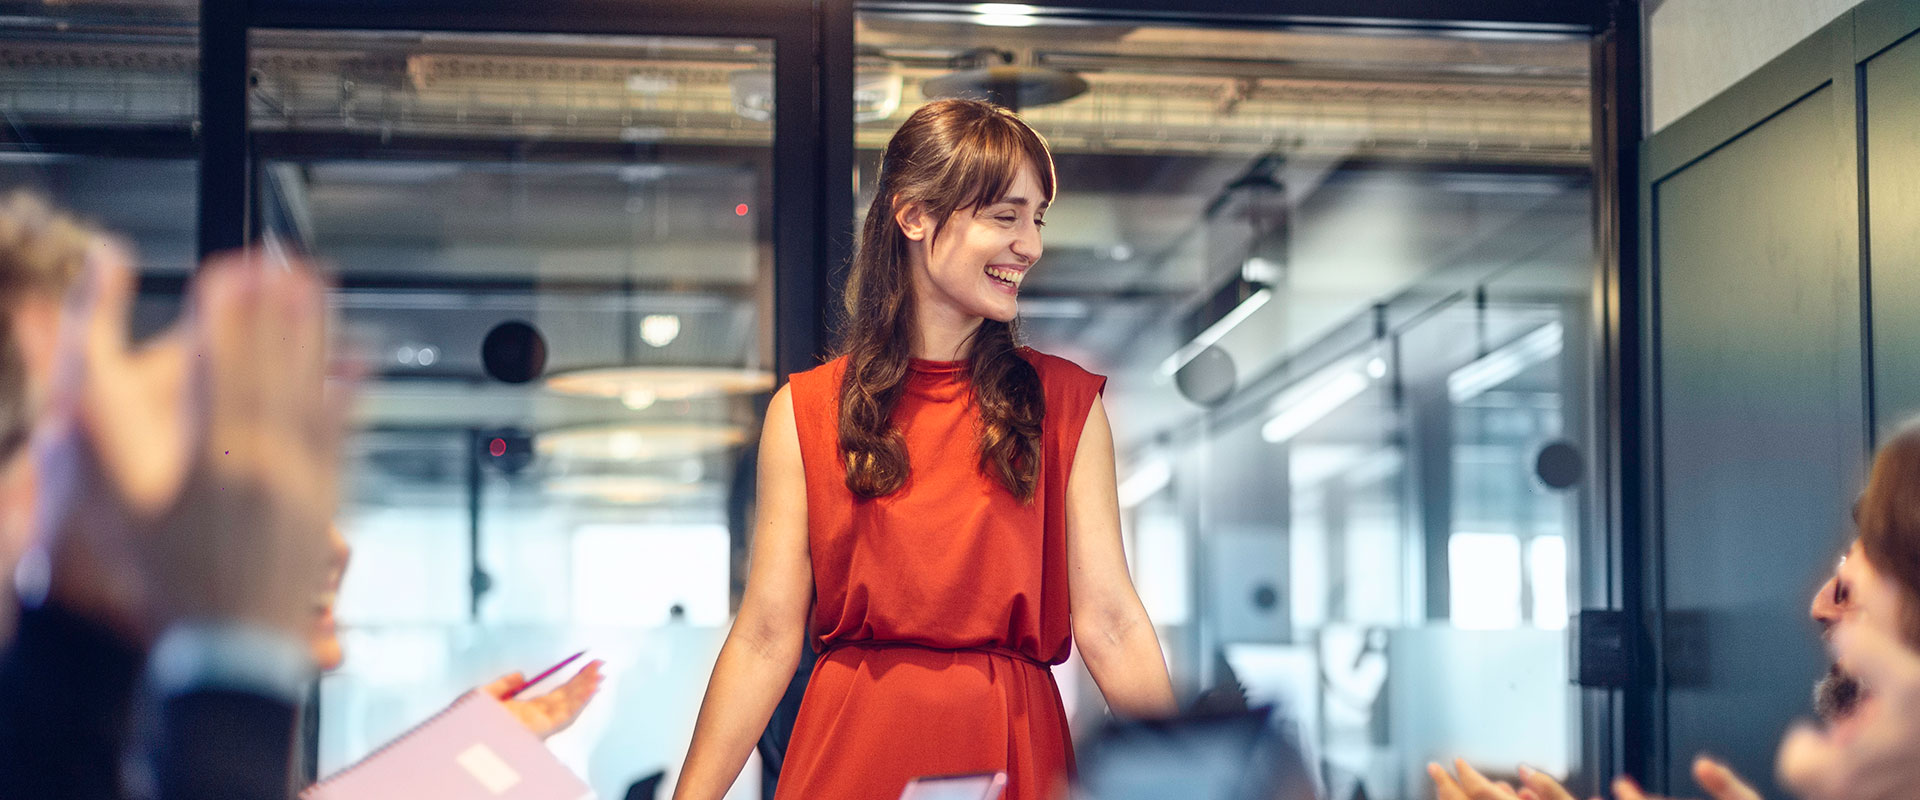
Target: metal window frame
<point x="813" y="80"/>
<point x="813" y="201"/>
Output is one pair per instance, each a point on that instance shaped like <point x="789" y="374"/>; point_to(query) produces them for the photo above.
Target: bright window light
<point x="1547" y="565"/>
<point x="633" y="575"/>
<point x="1161" y="572"/>
<point x="1483" y="575"/>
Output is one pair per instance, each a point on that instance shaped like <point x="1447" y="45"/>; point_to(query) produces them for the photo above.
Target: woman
<point x="937" y="509"/>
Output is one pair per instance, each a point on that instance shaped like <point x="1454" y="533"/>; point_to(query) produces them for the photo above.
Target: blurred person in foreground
<point x="89" y="626"/>
<point x="1877" y="586"/>
<point x="184" y="493"/>
<point x="1874" y="754"/>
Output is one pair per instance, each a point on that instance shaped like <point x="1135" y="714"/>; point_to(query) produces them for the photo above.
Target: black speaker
<point x="514" y="352"/>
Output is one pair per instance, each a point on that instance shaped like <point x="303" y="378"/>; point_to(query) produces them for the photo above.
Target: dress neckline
<point x="930" y="367"/>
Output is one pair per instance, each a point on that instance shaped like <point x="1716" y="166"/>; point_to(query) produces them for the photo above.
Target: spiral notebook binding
<point x="309" y="792"/>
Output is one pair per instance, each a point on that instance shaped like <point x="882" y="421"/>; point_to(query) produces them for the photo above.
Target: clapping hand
<point x="1720" y="782"/>
<point x="192" y="478"/>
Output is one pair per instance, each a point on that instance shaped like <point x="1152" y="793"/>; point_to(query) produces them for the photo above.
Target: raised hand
<point x="1720" y="782"/>
<point x="550" y="713"/>
<point x="247" y="540"/>
<point x="193" y="478"/>
<point x="111" y="450"/>
<point x="1471" y="784"/>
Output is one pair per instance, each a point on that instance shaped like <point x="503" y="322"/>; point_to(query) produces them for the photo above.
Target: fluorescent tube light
<point x="1207" y="338"/>
<point x="1504" y="364"/>
<point x="1297" y="409"/>
<point x="1145" y="482"/>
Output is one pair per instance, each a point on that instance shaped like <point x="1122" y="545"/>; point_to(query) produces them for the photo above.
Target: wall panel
<point x="1761" y="402"/>
<point x="1891" y="90"/>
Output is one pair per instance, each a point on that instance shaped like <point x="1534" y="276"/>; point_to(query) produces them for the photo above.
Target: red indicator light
<point x="740" y="210"/>
<point x="498" y="447"/>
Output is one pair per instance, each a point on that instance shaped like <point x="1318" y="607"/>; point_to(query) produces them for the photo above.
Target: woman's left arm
<point x="1110" y="627"/>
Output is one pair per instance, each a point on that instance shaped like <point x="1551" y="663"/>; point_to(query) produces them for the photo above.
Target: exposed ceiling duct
<point x="1120" y="97"/>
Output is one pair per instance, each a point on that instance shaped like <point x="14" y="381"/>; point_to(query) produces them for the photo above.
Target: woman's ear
<point x="913" y="220"/>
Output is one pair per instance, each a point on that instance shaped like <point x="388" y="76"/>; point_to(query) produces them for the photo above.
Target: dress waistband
<point x="890" y="645"/>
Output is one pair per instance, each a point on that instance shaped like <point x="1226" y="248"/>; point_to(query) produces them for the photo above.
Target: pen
<point x="543" y="676"/>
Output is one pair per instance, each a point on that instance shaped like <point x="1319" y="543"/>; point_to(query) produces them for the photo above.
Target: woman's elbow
<point x="1105" y="630"/>
<point x="769" y="636"/>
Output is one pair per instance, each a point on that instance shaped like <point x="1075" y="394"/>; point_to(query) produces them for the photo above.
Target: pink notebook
<point x="474" y="750"/>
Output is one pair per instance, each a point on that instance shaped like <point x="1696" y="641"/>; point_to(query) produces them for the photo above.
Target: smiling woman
<point x="964" y="199"/>
<point x="936" y="589"/>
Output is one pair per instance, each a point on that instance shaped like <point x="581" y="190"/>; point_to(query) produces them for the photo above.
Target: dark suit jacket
<point x="66" y="697"/>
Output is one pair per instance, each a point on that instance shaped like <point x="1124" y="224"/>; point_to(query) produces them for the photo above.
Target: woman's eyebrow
<point x="1020" y="201"/>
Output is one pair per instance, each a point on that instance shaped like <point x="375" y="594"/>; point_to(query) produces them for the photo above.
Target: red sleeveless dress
<point x="937" y="609"/>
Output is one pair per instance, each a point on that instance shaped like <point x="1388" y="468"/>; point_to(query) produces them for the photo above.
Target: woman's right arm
<point x="763" y="648"/>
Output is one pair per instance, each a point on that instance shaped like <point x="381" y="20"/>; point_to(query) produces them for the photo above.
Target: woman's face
<point x="974" y="265"/>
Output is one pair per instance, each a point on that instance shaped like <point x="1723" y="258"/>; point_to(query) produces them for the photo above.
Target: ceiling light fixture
<point x="620" y="489"/>
<point x="1505" y="363"/>
<point x="1240" y="298"/>
<point x="1005" y="15"/>
<point x="663" y="383"/>
<point x="636" y="443"/>
<point x="1311" y="400"/>
<point x="659" y="330"/>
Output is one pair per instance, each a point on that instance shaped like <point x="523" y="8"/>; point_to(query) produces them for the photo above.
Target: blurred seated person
<point x="114" y="584"/>
<point x="1877" y="757"/>
<point x="1878" y="579"/>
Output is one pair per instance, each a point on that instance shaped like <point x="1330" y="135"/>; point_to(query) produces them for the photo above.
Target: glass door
<point x="1338" y="278"/>
<point x="558" y="253"/>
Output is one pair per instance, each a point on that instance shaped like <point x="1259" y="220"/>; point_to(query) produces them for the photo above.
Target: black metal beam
<point x="837" y="192"/>
<point x="118" y="141"/>
<point x="1635" y="740"/>
<point x="799" y="175"/>
<point x="225" y="166"/>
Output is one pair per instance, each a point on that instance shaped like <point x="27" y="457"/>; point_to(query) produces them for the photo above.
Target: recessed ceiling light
<point x="664" y="383"/>
<point x="628" y="442"/>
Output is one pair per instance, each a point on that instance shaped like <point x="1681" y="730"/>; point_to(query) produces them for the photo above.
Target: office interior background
<point x="1490" y="378"/>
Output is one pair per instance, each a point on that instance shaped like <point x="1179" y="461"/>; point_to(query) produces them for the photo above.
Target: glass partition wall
<point x="1342" y="284"/>
<point x="1343" y="281"/>
<point x="611" y="196"/>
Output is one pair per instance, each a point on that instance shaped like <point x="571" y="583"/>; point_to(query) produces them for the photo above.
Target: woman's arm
<point x="1110" y="627"/>
<point x="763" y="647"/>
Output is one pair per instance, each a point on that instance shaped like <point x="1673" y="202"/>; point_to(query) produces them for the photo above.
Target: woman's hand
<point x="552" y="712"/>
<point x="1720" y="782"/>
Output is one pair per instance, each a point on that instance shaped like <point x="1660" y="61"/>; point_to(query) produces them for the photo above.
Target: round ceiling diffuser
<point x="1010" y="85"/>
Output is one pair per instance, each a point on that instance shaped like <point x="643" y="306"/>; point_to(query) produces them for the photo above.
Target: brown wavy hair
<point x="1888" y="514"/>
<point x="949" y="156"/>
